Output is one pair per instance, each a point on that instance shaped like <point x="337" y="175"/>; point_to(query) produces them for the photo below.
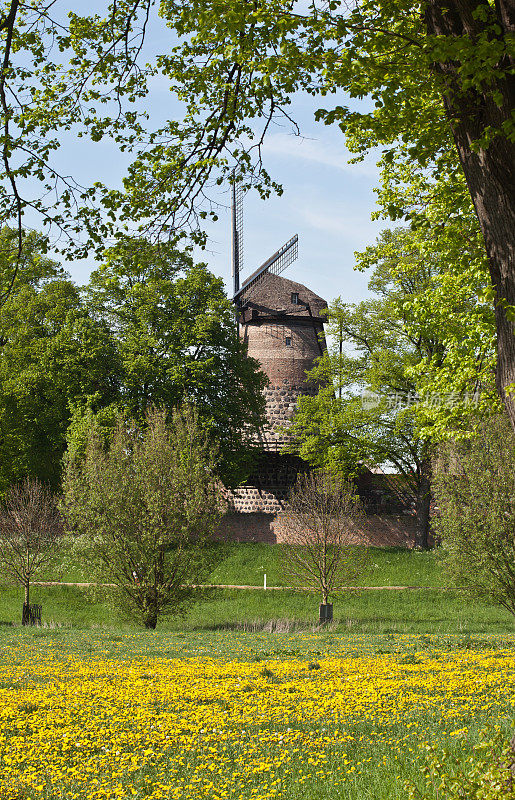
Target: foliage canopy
<point x="52" y="354"/>
<point x="176" y="340"/>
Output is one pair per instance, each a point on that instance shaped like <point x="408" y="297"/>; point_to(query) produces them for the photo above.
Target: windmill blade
<point x="237" y="235"/>
<point x="276" y="264"/>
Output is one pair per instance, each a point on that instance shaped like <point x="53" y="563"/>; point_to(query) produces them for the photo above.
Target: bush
<point x="474" y="487"/>
<point x="145" y="507"/>
<point x="485" y="775"/>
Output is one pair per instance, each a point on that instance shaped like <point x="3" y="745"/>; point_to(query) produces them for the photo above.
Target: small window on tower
<point x="287" y="341"/>
<point x="295" y="298"/>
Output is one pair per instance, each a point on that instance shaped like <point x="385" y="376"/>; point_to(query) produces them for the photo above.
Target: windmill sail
<point x="237" y="235"/>
<point x="276" y="264"/>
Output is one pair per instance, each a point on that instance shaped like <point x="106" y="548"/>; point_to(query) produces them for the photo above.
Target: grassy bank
<point x="247" y="563"/>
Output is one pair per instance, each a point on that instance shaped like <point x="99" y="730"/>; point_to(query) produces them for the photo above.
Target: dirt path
<point x="262" y="588"/>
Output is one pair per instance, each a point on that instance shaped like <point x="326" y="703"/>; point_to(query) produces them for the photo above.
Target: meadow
<point x="245" y="698"/>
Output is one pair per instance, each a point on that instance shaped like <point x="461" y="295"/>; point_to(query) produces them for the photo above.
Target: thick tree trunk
<point x="150" y="611"/>
<point x="150" y="619"/>
<point x="489" y="171"/>
<point x="423" y="505"/>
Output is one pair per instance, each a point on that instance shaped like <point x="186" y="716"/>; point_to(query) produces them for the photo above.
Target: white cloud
<point x="339" y="221"/>
<point x="313" y="150"/>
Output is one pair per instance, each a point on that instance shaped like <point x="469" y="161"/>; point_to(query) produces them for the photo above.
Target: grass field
<point x="102" y="715"/>
<point x="247" y="563"/>
<point x="244" y="697"/>
<point x="409" y="611"/>
<point x="365" y="612"/>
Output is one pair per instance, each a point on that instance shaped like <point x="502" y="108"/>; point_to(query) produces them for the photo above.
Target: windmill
<point x="256" y="282"/>
<point x="274" y="265"/>
<point x="282" y="324"/>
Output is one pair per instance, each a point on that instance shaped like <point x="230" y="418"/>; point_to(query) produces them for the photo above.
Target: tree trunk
<point x="489" y="171"/>
<point x="423" y="505"/>
<point x="150" y="613"/>
<point x="150" y="619"/>
<point x="25" y="614"/>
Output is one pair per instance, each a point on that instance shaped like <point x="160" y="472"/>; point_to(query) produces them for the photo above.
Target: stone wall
<point x="269" y="486"/>
<point x="281" y="402"/>
<point x="386" y="530"/>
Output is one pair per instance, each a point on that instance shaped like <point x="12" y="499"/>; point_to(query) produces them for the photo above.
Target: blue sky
<point x="326" y="201"/>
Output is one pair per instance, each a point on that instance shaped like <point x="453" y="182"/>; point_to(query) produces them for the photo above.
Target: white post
<point x="264" y="581"/>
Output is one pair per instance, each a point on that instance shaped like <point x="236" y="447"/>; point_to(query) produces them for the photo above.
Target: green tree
<point x="145" y="508"/>
<point x="372" y="421"/>
<point x="176" y="339"/>
<point x="440" y="76"/>
<point x="474" y="490"/>
<point x="440" y="286"/>
<point x="52" y="353"/>
<point x="32" y="264"/>
<point x="63" y="73"/>
<point x="385" y="400"/>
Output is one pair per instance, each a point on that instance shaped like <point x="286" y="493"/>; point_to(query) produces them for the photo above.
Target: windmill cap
<point x="275" y="294"/>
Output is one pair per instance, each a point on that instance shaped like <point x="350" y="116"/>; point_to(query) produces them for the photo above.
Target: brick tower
<point x="281" y="322"/>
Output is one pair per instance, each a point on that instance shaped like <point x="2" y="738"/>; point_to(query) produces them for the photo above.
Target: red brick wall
<point x="377" y="530"/>
<point x="285" y="367"/>
<point x="266" y="342"/>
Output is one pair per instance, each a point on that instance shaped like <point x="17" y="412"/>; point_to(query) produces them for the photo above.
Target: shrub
<point x="485" y="775"/>
<point x="145" y="507"/>
<point x="474" y="488"/>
